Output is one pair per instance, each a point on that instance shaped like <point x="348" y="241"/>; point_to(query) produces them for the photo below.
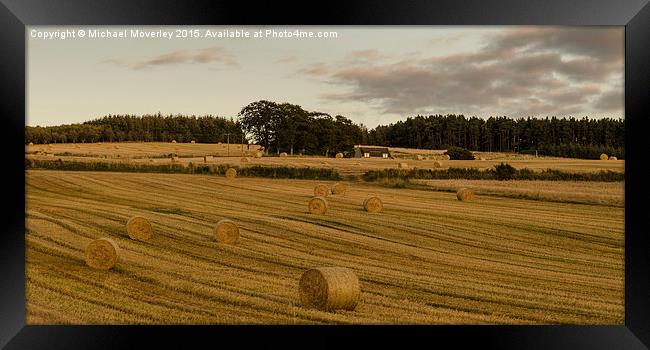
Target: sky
<point x="370" y="74"/>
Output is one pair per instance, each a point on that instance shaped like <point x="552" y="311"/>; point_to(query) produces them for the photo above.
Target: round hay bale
<point x="259" y="154"/>
<point x="245" y="160"/>
<point x="446" y="157"/>
<point x="437" y="164"/>
<point x="102" y="253"/>
<point x="318" y="205"/>
<point x="373" y="204"/>
<point x="31" y="144"/>
<point x="613" y="158"/>
<point x="465" y="194"/>
<point x="226" y="232"/>
<point x="139" y="228"/>
<point x="283" y="154"/>
<point x="231" y="173"/>
<point x="339" y="155"/>
<point x="402" y="165"/>
<point x="603" y="157"/>
<point x="339" y="188"/>
<point x="192" y="141"/>
<point x="321" y="190"/>
<point x="173" y="141"/>
<point x="329" y="288"/>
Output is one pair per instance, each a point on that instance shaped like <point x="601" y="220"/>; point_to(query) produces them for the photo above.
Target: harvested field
<point x="426" y="259"/>
<point x="146" y="149"/>
<point x="144" y="152"/>
<point x="602" y="193"/>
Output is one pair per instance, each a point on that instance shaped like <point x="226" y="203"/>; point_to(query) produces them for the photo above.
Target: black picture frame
<point x="15" y="15"/>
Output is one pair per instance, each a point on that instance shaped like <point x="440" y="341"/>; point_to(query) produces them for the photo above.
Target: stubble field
<point x="427" y="259"/>
<point x="159" y="153"/>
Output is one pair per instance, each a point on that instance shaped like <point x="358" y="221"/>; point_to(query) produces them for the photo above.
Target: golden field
<point x="427" y="259"/>
<point x="158" y="153"/>
<point x="604" y="193"/>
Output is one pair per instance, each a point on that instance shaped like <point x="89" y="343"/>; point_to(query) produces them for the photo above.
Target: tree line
<point x="146" y="128"/>
<point x="286" y="127"/>
<point x="564" y="137"/>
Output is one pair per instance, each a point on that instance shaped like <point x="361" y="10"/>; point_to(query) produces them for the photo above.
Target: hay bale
<point x="373" y="204"/>
<point x="613" y="158"/>
<point x="283" y="154"/>
<point x="402" y="165"/>
<point x="329" y="288"/>
<point x="318" y="205"/>
<point x="339" y="188"/>
<point x="102" y="253"/>
<point x="192" y="141"/>
<point x="339" y="155"/>
<point x="321" y="190"/>
<point x="437" y="164"/>
<point x="259" y="154"/>
<point x="31" y="144"/>
<point x="446" y="157"/>
<point x="226" y="232"/>
<point x="604" y="157"/>
<point x="207" y="159"/>
<point x="231" y="173"/>
<point x="245" y="160"/>
<point x="173" y="141"/>
<point x="139" y="228"/>
<point x="465" y="194"/>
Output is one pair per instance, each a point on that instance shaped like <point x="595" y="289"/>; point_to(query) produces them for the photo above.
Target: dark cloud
<point x="610" y="101"/>
<point x="200" y="56"/>
<point x="520" y="72"/>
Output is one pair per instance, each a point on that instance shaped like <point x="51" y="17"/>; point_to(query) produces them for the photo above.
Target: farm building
<point x="371" y="152"/>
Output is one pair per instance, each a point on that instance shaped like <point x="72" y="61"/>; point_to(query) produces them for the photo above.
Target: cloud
<point x="288" y="59"/>
<point x="610" y="101"/>
<point x="316" y="69"/>
<point x="199" y="56"/>
<point x="518" y="72"/>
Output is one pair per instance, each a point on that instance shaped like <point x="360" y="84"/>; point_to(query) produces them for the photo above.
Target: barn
<point x="371" y="152"/>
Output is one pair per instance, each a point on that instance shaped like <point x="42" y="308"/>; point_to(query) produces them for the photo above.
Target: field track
<point x="427" y="259"/>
